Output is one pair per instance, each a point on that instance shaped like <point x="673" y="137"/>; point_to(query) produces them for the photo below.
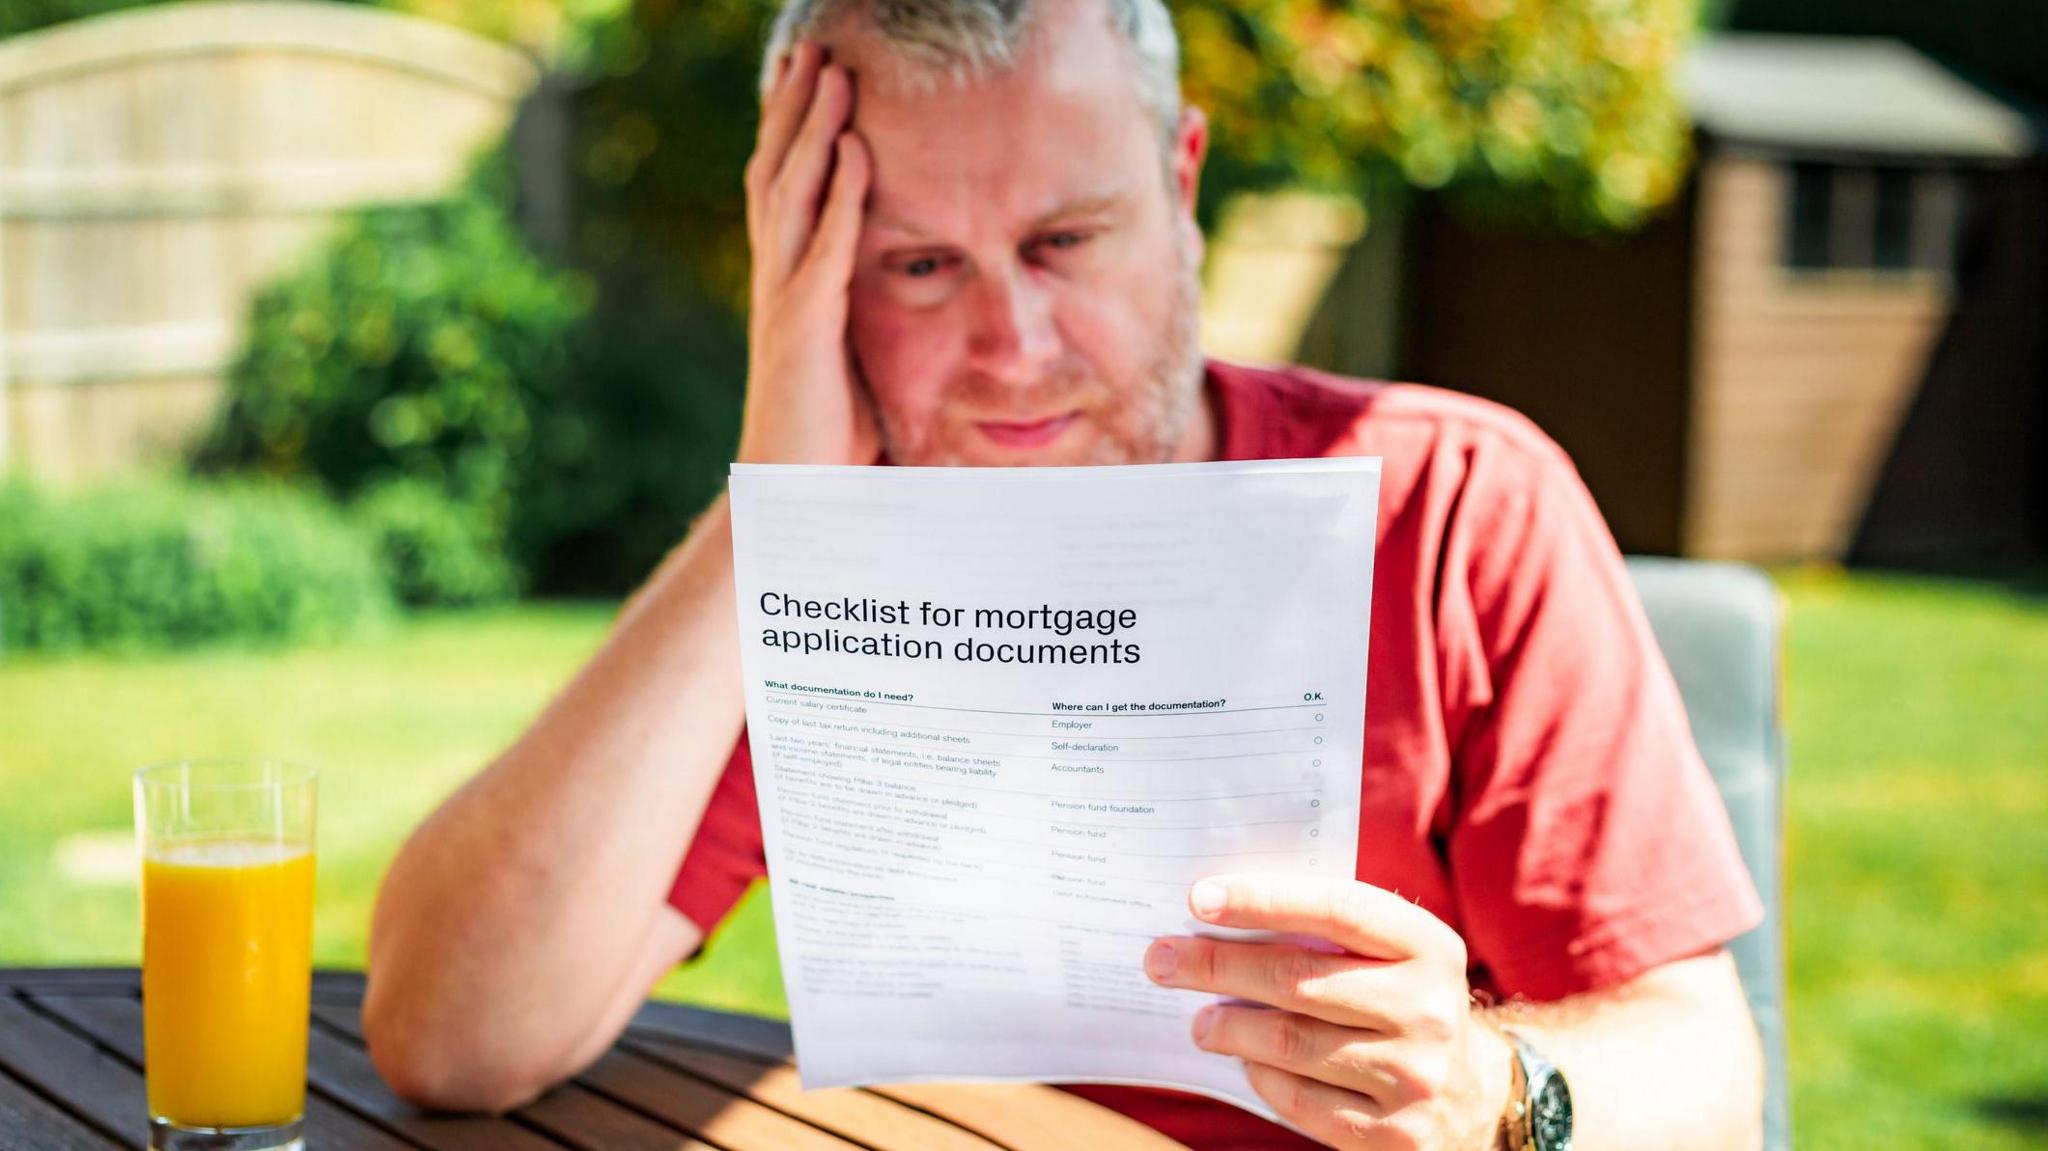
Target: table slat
<point x="568" y="1112"/>
<point x="115" y="1022"/>
<point x="27" y="1120"/>
<point x="742" y="1034"/>
<point x="857" y="1115"/>
<point x="90" y="1083"/>
<point x="338" y="987"/>
<point x="1029" y="1116"/>
<point x="342" y="1071"/>
<point x="731" y="1121"/>
<point x="31" y="978"/>
<point x="589" y="1121"/>
<point x="346" y="1018"/>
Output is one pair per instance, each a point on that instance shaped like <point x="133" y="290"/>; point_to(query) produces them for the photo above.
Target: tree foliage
<point x="1568" y="109"/>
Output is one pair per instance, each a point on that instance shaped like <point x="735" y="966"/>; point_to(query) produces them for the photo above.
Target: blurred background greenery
<point x="458" y="430"/>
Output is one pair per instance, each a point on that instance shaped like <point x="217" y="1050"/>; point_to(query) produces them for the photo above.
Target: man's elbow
<point x="1749" y="1071"/>
<point x="437" y="1070"/>
<point x="1720" y="1058"/>
<point x="1742" y="1102"/>
<point x="1716" y="995"/>
<point x="1754" y="1073"/>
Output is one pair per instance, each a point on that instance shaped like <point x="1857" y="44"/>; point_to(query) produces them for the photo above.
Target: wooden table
<point x="680" y="1079"/>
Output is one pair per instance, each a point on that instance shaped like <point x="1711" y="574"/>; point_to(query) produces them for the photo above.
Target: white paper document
<point x="1003" y="718"/>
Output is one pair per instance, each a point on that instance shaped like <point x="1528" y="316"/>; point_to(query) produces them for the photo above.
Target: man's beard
<point x="1143" y="425"/>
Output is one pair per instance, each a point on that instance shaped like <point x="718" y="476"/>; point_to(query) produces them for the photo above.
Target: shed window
<point x="1882" y="219"/>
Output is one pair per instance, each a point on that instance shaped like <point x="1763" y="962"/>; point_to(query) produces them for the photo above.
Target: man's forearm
<point x="1669" y="1062"/>
<point x="512" y="915"/>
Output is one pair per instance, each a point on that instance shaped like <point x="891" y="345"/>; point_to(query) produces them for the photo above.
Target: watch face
<point x="1551" y="1115"/>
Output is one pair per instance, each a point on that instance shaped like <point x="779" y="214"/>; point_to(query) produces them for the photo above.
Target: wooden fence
<point x="159" y="166"/>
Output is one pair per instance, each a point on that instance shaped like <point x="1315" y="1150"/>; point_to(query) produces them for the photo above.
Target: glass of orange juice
<point x="227" y="933"/>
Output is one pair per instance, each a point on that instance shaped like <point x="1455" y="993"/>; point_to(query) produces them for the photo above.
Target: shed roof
<point x="1846" y="94"/>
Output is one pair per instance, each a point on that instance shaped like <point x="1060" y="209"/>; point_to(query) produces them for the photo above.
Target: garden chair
<point x="1717" y="624"/>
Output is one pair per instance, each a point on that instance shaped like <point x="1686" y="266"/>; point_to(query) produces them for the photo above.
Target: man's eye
<point x="1064" y="240"/>
<point x="921" y="267"/>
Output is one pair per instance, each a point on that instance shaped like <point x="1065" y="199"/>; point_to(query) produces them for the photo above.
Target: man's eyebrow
<point x="1079" y="206"/>
<point x="1100" y="203"/>
<point x="883" y="218"/>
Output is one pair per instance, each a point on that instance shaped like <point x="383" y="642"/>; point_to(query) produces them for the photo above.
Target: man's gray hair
<point x="959" y="38"/>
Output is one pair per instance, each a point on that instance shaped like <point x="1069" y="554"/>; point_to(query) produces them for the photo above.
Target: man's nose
<point x="1014" y="339"/>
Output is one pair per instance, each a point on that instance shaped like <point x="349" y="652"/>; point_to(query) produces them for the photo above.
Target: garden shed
<point x="1733" y="379"/>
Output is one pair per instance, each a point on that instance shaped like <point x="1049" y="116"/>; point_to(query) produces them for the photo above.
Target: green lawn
<point x="394" y="721"/>
<point x="1918" y="862"/>
<point x="1918" y="842"/>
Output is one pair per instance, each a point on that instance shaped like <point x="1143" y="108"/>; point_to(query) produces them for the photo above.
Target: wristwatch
<point x="1539" y="1114"/>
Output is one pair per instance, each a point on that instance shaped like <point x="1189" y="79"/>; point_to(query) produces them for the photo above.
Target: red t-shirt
<point x="1529" y="774"/>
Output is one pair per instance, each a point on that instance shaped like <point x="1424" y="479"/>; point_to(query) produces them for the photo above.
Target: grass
<point x="1917" y="856"/>
<point x="394" y="721"/>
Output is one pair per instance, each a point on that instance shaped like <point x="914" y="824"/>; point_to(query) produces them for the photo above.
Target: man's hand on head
<point x="806" y="186"/>
<point x="1375" y="1047"/>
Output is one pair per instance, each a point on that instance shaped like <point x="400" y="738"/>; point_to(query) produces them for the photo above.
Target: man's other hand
<point x="1372" y="1047"/>
<point x="807" y="183"/>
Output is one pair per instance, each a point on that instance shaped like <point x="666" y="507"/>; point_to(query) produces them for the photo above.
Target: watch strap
<point x="1533" y="1075"/>
<point x="1517" y="1131"/>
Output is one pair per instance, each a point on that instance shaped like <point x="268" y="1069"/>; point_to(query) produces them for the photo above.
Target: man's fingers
<point x="1356" y="916"/>
<point x="1331" y="1115"/>
<point x="833" y="246"/>
<point x="792" y="204"/>
<point x="1343" y="989"/>
<point x="781" y="113"/>
<point x="1314" y="1049"/>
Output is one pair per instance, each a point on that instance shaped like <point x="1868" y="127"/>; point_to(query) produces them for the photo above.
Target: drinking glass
<point x="227" y="933"/>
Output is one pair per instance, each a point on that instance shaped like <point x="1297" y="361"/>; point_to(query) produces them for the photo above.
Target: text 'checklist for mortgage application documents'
<point x="1002" y="719"/>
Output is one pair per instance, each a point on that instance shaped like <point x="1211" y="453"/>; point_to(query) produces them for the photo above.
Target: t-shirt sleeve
<point x="1588" y="842"/>
<point x="725" y="857"/>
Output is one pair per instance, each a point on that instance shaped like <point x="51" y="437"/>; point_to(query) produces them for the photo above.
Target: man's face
<point x="1026" y="286"/>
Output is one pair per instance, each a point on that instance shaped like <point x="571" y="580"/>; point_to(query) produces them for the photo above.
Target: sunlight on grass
<point x="394" y="723"/>
<point x="1916" y="858"/>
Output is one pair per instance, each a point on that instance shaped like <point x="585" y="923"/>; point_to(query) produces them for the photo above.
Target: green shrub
<point x="152" y="564"/>
<point x="427" y="345"/>
<point x="424" y="343"/>
<point x="656" y="408"/>
<point x="433" y="552"/>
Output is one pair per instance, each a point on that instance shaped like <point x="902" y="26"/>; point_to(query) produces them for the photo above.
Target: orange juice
<point x="226" y="974"/>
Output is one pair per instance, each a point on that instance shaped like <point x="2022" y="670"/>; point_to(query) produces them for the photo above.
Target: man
<point x="988" y="256"/>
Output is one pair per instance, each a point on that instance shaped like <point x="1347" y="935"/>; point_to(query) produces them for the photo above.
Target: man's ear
<point x="1190" y="148"/>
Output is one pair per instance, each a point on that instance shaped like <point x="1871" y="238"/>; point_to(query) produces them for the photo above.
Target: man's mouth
<point x="1026" y="434"/>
